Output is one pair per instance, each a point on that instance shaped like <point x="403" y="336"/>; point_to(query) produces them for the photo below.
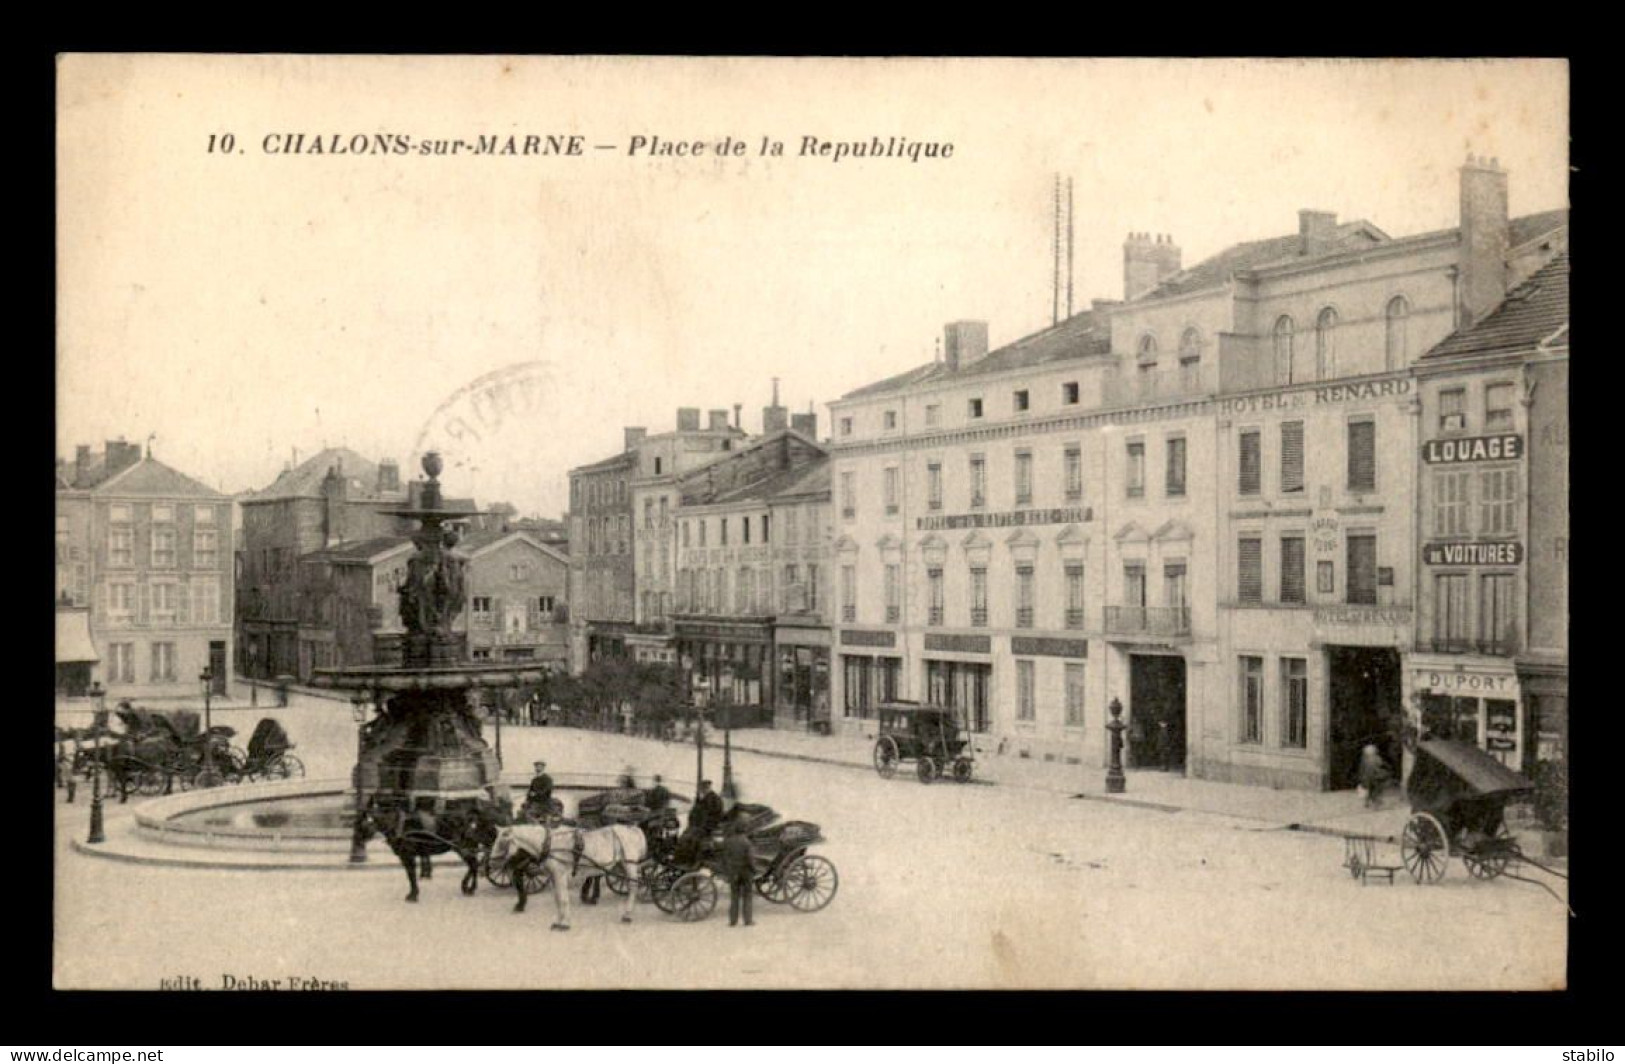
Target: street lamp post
<point x="358" y="838"/>
<point x="699" y="749"/>
<point x="1115" y="781"/>
<point x="208" y="777"/>
<point x="98" y="698"/>
<point x="496" y="711"/>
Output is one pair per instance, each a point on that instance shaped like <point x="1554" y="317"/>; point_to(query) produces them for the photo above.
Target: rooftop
<point x="1079" y="336"/>
<point x="305" y="479"/>
<point x="1534" y="312"/>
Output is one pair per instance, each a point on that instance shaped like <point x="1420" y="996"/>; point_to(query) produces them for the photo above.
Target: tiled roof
<point x="1523" y="230"/>
<point x="778" y="483"/>
<point x="151" y="477"/>
<point x="1217" y="269"/>
<point x="623" y="459"/>
<point x="814" y="481"/>
<point x="305" y="479"/>
<point x="1534" y="311"/>
<point x="1078" y="336"/>
<point x="360" y="550"/>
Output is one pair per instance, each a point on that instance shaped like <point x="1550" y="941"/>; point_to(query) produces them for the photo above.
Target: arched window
<point x="1283" y="350"/>
<point x="1190" y="346"/>
<point x="1147" y="350"/>
<point x="1325" y="349"/>
<point x="1399" y="310"/>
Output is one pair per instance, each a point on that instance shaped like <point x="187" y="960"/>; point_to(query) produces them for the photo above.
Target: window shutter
<point x="1362" y="456"/>
<point x="1250" y="557"/>
<point x="1362" y="570"/>
<point x="1292" y="456"/>
<point x="1292" y="575"/>
<point x="183" y="604"/>
<point x="1250" y="455"/>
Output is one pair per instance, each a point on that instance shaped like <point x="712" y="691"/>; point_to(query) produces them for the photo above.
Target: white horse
<point x="566" y="852"/>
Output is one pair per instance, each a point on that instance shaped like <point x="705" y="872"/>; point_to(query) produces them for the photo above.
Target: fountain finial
<point x="432" y="464"/>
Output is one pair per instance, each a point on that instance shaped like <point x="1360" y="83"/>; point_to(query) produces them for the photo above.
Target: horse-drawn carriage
<point x="1458" y="796"/>
<point x="158" y="751"/>
<point x="268" y="756"/>
<point x="929" y="736"/>
<point x="682" y="873"/>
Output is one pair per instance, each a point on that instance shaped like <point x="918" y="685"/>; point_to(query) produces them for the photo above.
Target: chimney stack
<point x="389" y="477"/>
<point x="1148" y="260"/>
<point x="1315" y="231"/>
<point x="738" y="408"/>
<point x="1484" y="240"/>
<point x="81" y="464"/>
<point x="719" y="421"/>
<point x="806" y="424"/>
<point x="334" y="494"/>
<point x="963" y="342"/>
<point x="775" y="418"/>
<point x="688" y="419"/>
<point x="634" y="436"/>
<point x="119" y="456"/>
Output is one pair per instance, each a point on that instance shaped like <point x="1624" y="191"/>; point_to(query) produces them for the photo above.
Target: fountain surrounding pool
<point x="324" y="813"/>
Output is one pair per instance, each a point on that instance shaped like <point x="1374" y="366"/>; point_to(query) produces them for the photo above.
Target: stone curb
<point x="222" y="866"/>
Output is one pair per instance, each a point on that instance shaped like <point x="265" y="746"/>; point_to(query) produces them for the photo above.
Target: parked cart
<point x="929" y="736"/>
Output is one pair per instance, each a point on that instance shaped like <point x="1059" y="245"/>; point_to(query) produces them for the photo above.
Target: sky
<point x="247" y="307"/>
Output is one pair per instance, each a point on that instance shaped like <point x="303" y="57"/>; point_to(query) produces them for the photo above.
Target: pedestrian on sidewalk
<point x="1374" y="776"/>
<point x="736" y="869"/>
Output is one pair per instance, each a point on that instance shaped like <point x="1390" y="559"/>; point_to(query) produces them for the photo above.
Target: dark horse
<point x="467" y="829"/>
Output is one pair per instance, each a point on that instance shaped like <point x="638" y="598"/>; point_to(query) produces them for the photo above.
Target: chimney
<point x="688" y="419"/>
<point x="1484" y="239"/>
<point x="963" y="342"/>
<point x="1315" y="231"/>
<point x="775" y="418"/>
<point x="120" y="456"/>
<point x="719" y="421"/>
<point x="334" y="494"/>
<point x="389" y="477"/>
<point x="634" y="436"/>
<point x="806" y="424"/>
<point x="81" y="463"/>
<point x="1148" y="260"/>
<point x="738" y="408"/>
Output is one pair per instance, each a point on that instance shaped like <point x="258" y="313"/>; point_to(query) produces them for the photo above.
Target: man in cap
<point x="539" y="798"/>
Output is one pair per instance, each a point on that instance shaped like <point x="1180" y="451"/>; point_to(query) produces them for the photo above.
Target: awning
<point x="73" y="643"/>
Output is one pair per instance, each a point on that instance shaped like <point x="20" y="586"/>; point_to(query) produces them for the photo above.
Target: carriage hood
<point x="1477" y="771"/>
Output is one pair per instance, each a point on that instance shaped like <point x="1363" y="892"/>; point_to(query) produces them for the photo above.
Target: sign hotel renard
<point x="1059" y="515"/>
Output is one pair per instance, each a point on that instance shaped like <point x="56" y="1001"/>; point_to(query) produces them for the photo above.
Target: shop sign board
<point x="1506" y="447"/>
<point x="1504" y="553"/>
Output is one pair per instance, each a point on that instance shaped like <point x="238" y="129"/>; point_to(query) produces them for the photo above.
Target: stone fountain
<point x="424" y="748"/>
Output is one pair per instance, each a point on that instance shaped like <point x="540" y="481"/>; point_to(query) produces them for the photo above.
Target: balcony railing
<point x="849" y="614"/>
<point x="978" y="617"/>
<point x="936" y="616"/>
<point x="1149" y="620"/>
<point x="1024" y="617"/>
<point x="1504" y="647"/>
<point x="893" y="614"/>
<point x="1074" y="618"/>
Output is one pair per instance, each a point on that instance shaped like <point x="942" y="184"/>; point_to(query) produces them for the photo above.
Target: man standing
<point x="658" y="797"/>
<point x="736" y="869"/>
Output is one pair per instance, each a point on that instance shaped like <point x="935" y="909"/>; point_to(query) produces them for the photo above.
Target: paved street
<point x="946" y="886"/>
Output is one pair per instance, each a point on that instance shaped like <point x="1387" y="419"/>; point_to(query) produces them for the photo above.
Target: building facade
<point x="619" y="541"/>
<point x="799" y="514"/>
<point x="333" y="498"/>
<point x="518" y="606"/>
<point x="144" y="566"/>
<point x="1491" y="666"/>
<point x="1199" y="501"/>
<point x="731" y="561"/>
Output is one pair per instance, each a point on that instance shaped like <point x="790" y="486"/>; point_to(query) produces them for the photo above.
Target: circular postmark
<point x="486" y="429"/>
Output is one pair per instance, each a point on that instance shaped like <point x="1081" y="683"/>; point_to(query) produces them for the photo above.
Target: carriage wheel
<point x="151" y="781"/>
<point x="1491" y="857"/>
<point x="962" y="770"/>
<point x="206" y="778"/>
<point x="773" y="884"/>
<point x="886" y="756"/>
<point x="1425" y="848"/>
<point x="661" y="880"/>
<point x="693" y="897"/>
<point x="810" y="883"/>
<point x="538" y="878"/>
<point x="926" y="769"/>
<point x="498" y="875"/>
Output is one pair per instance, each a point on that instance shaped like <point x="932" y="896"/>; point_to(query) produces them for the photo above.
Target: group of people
<point x="704" y="820"/>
